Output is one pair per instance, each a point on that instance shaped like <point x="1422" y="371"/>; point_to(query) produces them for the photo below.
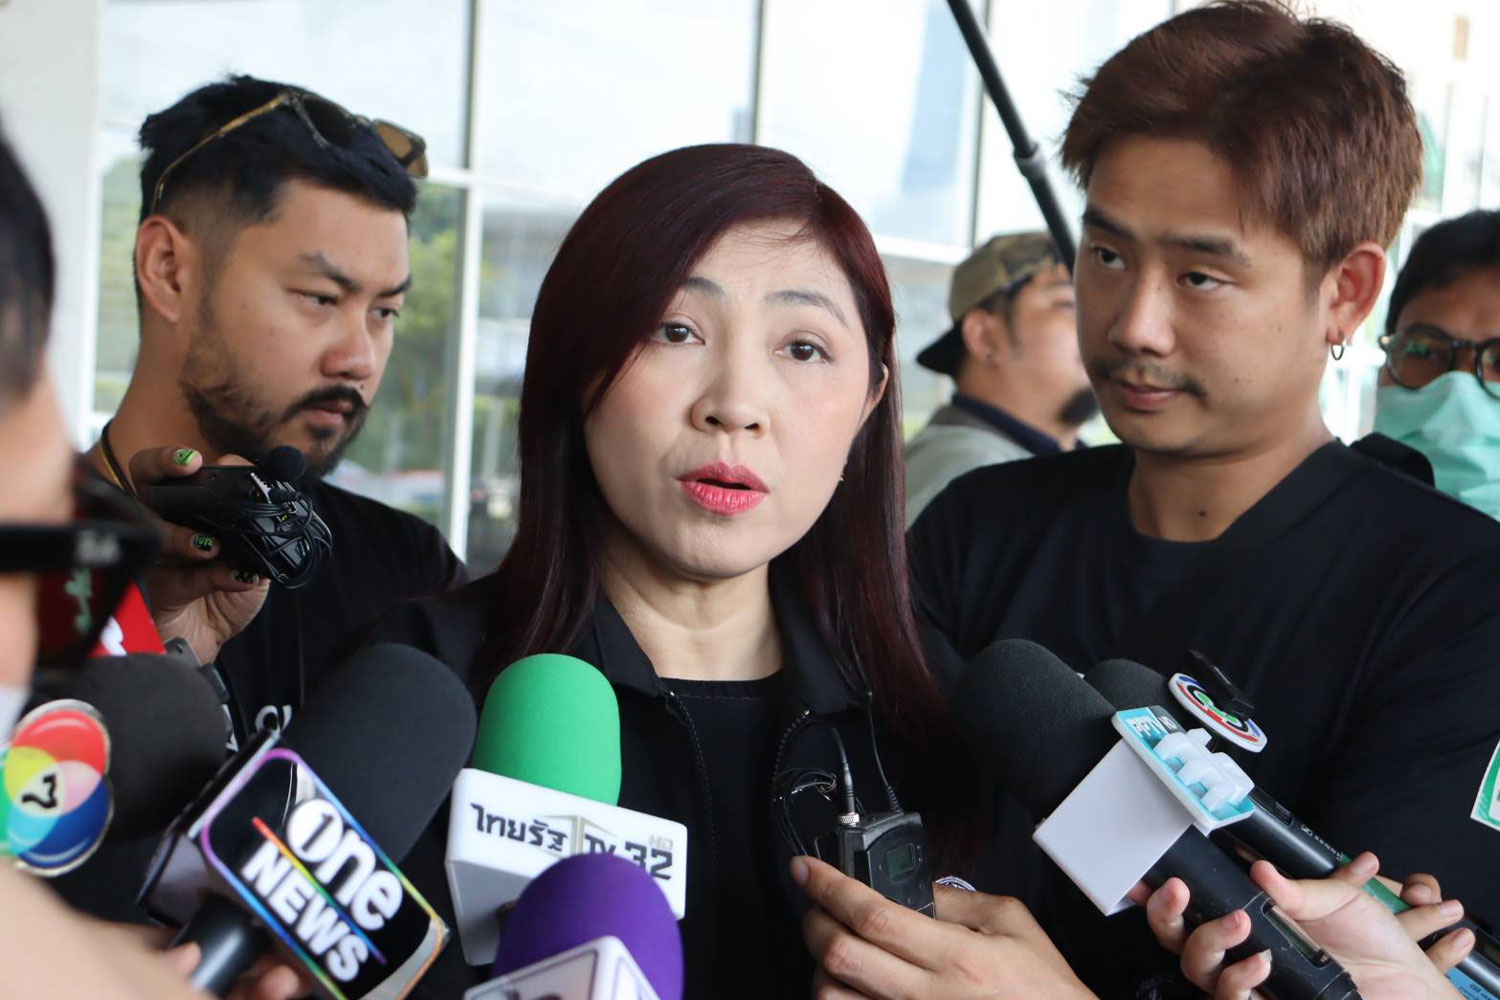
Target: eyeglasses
<point x="330" y="125"/>
<point x="1417" y="354"/>
<point x="83" y="567"/>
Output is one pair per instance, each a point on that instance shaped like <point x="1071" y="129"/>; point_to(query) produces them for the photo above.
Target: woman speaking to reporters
<point x="711" y="514"/>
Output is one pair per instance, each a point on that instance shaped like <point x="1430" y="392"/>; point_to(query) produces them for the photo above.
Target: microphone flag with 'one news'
<point x="293" y="842"/>
<point x="1053" y="742"/>
<point x="543" y="786"/>
<point x="591" y="927"/>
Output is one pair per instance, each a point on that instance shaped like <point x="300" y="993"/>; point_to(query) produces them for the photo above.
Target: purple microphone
<point x="590" y="896"/>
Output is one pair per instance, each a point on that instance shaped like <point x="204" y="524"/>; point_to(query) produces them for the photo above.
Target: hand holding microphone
<point x="1049" y="737"/>
<point x="1378" y="950"/>
<point x="194" y="595"/>
<point x="1467" y="955"/>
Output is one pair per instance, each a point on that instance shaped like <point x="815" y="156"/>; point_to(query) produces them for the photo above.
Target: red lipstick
<point x="724" y="489"/>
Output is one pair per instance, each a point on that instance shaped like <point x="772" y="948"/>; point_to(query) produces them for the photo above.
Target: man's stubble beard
<point x="231" y="418"/>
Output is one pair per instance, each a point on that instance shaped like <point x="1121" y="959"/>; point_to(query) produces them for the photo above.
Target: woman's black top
<point x="702" y="753"/>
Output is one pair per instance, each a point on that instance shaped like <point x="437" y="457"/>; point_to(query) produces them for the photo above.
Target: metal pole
<point x="1029" y="158"/>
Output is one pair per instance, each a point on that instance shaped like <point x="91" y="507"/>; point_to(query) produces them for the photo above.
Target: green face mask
<point x="1456" y="424"/>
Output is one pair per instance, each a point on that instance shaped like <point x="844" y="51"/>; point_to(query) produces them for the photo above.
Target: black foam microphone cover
<point x="167" y="730"/>
<point x="283" y="463"/>
<point x="1129" y="684"/>
<point x="387" y="732"/>
<point x="1014" y="689"/>
<point x="1043" y="729"/>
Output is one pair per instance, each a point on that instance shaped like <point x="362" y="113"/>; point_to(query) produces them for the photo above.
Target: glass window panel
<point x="1042" y="59"/>
<point x="575" y="93"/>
<point x="1489" y="193"/>
<point x="398" y="456"/>
<point x="520" y="239"/>
<point x="919" y="289"/>
<point x="886" y="114"/>
<point x="1433" y="101"/>
<point x="1465" y="150"/>
<point x="119" y="326"/>
<point x="362" y="53"/>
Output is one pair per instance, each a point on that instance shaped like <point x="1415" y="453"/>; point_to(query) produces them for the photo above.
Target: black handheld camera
<point x="264" y="523"/>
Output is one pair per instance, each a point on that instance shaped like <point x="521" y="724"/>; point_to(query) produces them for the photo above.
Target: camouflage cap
<point x="1003" y="264"/>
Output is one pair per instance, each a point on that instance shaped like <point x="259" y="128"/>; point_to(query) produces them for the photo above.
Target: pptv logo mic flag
<point x="277" y="839"/>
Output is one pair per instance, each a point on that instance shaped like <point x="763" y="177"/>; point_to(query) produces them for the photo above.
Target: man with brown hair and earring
<point x="1244" y="170"/>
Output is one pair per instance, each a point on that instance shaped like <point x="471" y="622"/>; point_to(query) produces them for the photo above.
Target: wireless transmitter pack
<point x="887" y="851"/>
<point x="264" y="523"/>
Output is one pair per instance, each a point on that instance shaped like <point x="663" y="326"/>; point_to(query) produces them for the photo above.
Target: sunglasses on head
<point x="330" y="124"/>
<point x="83" y="567"/>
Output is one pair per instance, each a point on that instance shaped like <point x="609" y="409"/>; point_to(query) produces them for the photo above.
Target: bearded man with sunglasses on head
<point x="271" y="263"/>
<point x="271" y="266"/>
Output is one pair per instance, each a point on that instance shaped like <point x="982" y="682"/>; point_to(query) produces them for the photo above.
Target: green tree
<point x="404" y="431"/>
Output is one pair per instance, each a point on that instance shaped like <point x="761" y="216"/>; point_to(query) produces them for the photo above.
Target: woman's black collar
<point x="812" y="672"/>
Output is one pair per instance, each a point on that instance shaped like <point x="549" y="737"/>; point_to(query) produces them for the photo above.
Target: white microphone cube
<point x="502" y="833"/>
<point x="601" y="969"/>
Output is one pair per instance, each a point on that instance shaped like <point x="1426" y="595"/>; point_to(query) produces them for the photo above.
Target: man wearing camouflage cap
<point x="1013" y="354"/>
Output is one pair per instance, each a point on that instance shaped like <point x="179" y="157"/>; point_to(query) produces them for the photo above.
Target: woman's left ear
<point x="876" y="395"/>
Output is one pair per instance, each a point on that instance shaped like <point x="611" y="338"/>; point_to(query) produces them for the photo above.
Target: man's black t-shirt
<point x="381" y="557"/>
<point x="1358" y="609"/>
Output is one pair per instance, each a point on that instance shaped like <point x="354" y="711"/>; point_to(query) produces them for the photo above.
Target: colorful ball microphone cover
<point x="591" y="896"/>
<point x="57" y="802"/>
<point x="553" y="721"/>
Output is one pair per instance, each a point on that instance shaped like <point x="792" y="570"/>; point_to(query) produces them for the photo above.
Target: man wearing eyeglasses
<point x="45" y="950"/>
<point x="1440" y="385"/>
<point x="271" y="267"/>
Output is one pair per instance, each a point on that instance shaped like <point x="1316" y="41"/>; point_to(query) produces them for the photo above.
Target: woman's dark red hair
<point x="613" y="279"/>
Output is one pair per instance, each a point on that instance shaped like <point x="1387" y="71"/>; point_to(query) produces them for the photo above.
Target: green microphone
<point x="545" y="785"/>
<point x="552" y="720"/>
